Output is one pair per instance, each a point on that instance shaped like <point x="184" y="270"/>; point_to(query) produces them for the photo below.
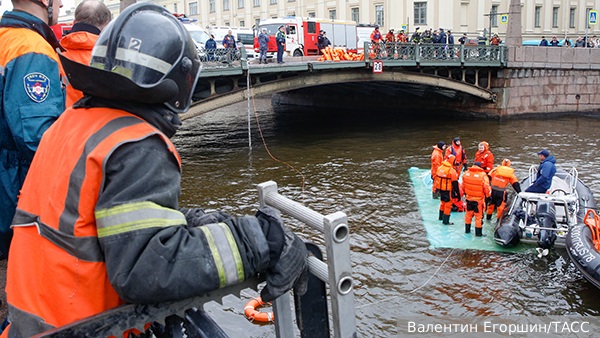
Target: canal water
<point x="358" y="162"/>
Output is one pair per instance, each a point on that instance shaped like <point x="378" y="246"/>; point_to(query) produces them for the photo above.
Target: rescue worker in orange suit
<point x="477" y="187"/>
<point x="390" y="41"/>
<point x="402" y="37"/>
<point x="458" y="151"/>
<point x="98" y="222"/>
<point x="32" y="96"/>
<point x="502" y="176"/>
<point x="91" y="16"/>
<point x="376" y="39"/>
<point x="485" y="157"/>
<point x="437" y="156"/>
<point x="446" y="182"/>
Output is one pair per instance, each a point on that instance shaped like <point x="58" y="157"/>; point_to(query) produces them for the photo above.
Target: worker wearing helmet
<point x="98" y="223"/>
<point x="502" y="176"/>
<point x="477" y="189"/>
<point x="446" y="182"/>
<point x="32" y="96"/>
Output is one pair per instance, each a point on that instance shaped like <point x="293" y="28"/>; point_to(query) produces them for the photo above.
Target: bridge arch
<point x="314" y="79"/>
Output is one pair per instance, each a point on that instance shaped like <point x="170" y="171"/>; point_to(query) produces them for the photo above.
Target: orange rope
<point x="267" y="148"/>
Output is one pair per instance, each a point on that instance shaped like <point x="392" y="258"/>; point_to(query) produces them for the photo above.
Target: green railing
<point x="436" y="54"/>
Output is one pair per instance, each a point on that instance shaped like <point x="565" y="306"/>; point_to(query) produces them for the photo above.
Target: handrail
<point x="532" y="174"/>
<point x="337" y="273"/>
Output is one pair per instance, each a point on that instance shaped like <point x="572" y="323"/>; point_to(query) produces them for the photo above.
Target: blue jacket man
<point x="211" y="47"/>
<point x="280" y="39"/>
<point x="545" y="173"/>
<point x="32" y="96"/>
<point x="263" y="43"/>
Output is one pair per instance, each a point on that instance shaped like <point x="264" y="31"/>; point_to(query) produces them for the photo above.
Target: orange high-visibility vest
<point x="445" y="176"/>
<point x="475" y="183"/>
<point x="56" y="218"/>
<point x="502" y="176"/>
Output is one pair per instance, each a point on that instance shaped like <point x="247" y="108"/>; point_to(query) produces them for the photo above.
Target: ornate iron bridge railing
<point x="438" y="54"/>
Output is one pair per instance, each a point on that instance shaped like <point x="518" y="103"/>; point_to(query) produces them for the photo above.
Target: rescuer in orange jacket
<point x="477" y="188"/>
<point x="502" y="176"/>
<point x="401" y="38"/>
<point x="98" y="222"/>
<point x="446" y="182"/>
<point x="91" y="16"/>
<point x="376" y="35"/>
<point x="485" y="157"/>
<point x="437" y="156"/>
<point x="458" y="151"/>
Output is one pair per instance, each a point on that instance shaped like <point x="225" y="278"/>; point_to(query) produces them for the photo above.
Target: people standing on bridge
<point x="580" y="42"/>
<point x="32" y="96"/>
<point x="91" y="16"/>
<point x="544" y="42"/>
<point x="481" y="39"/>
<point x="416" y="37"/>
<point x="446" y="183"/>
<point x="98" y="222"/>
<point x="280" y="39"/>
<point x="544" y="174"/>
<point x="376" y="39"/>
<point x="495" y="41"/>
<point x="263" y="45"/>
<point x="401" y="38"/>
<point x="390" y="41"/>
<point x="463" y="39"/>
<point x="320" y="42"/>
<point x="501" y="177"/>
<point x="554" y="42"/>
<point x="459" y="152"/>
<point x="437" y="157"/>
<point x="435" y="37"/>
<point x="485" y="157"/>
<point x="324" y="40"/>
<point x="477" y="188"/>
<point x="427" y="37"/>
<point x="450" y="46"/>
<point x="211" y="47"/>
<point x="567" y="43"/>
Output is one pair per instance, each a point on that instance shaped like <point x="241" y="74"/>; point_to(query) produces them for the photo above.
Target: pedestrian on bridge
<point x="544" y="42"/>
<point x="280" y="40"/>
<point x="98" y="222"/>
<point x="390" y="41"/>
<point x="263" y="44"/>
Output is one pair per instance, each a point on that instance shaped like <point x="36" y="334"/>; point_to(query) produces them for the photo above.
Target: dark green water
<point x="358" y="163"/>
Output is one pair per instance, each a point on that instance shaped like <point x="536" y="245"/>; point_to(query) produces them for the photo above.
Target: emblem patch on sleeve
<point x="37" y="86"/>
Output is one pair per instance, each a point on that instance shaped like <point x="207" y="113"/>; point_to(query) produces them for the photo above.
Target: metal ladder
<point x="337" y="273"/>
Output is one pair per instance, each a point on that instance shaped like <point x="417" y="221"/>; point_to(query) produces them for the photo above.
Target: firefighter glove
<point x="287" y="257"/>
<point x="465" y="166"/>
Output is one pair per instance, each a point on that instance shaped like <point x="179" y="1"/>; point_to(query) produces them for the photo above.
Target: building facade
<point x="539" y="17"/>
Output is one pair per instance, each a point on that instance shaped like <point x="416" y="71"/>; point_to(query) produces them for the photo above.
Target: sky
<point x="6" y="5"/>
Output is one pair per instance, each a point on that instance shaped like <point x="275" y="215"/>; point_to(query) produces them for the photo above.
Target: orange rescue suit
<point x="486" y="158"/>
<point x="459" y="153"/>
<point x="445" y="176"/>
<point x="477" y="187"/>
<point x="437" y="157"/>
<point x="502" y="176"/>
<point x="79" y="47"/>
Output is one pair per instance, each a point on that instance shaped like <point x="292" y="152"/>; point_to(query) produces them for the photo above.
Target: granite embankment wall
<point x="546" y="80"/>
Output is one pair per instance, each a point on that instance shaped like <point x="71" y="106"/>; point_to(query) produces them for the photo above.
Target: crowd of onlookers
<point x="592" y="42"/>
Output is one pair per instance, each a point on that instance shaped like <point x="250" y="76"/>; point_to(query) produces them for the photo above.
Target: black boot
<point x="467" y="228"/>
<point x="441" y="215"/>
<point x="446" y="220"/>
<point x="479" y="232"/>
<point x="488" y="217"/>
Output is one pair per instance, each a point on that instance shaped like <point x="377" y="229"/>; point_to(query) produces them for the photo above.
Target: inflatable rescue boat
<point x="545" y="219"/>
<point x="583" y="247"/>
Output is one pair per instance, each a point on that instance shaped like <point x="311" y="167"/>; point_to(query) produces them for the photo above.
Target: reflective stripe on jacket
<point x="445" y="176"/>
<point x="476" y="183"/>
<point x="502" y="176"/>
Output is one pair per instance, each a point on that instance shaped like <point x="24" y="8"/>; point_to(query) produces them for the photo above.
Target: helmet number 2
<point x="135" y="44"/>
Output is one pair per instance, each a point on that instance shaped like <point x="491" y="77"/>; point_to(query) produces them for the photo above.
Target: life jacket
<point x="501" y="177"/>
<point x="474" y="181"/>
<point x="445" y="176"/>
<point x="459" y="154"/>
<point x="75" y="283"/>
<point x="375" y="37"/>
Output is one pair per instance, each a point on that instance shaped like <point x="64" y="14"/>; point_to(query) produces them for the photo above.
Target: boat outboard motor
<point x="546" y="218"/>
<point x="509" y="233"/>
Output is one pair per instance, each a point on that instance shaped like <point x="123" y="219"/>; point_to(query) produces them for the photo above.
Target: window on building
<point x="536" y="20"/>
<point x="240" y="3"/>
<point x="355" y="14"/>
<point x="420" y="13"/>
<point x="464" y="14"/>
<point x="175" y="8"/>
<point x="257" y="22"/>
<point x="311" y="14"/>
<point x="194" y="8"/>
<point x="226" y="23"/>
<point x="379" y="15"/>
<point x="225" y="5"/>
<point x="291" y="0"/>
<point x="273" y="2"/>
<point x="211" y="6"/>
<point x="256" y="3"/>
<point x="494" y="17"/>
<point x="555" y="17"/>
<point x="332" y="14"/>
<point x="242" y="23"/>
<point x="572" y="18"/>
